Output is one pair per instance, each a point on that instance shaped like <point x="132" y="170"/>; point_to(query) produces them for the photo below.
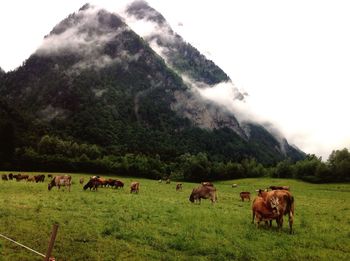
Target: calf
<point x="244" y="195"/>
<point x="134" y="187"/>
<point x="178" y="186"/>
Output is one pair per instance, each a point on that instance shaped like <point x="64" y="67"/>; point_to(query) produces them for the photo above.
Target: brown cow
<point x="93" y="184"/>
<point x="4" y="177"/>
<point x="244" y="195"/>
<point x="134" y="187"/>
<point x="204" y="192"/>
<point x="286" y="205"/>
<point x="178" y="186"/>
<point x="10" y="176"/>
<point x="39" y="178"/>
<point x="19" y="177"/>
<point x="81" y="180"/>
<point x="63" y="180"/>
<point x="118" y="184"/>
<point x="31" y="179"/>
<point x="279" y="187"/>
<point x="265" y="211"/>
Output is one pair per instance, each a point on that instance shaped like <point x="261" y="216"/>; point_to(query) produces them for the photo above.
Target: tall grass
<point x="160" y="223"/>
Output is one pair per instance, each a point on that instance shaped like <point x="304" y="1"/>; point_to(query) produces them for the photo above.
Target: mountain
<point x="96" y="81"/>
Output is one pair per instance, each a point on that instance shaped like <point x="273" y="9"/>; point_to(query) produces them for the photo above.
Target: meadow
<point x="160" y="223"/>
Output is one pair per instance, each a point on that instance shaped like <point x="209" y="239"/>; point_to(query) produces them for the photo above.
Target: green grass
<point x="161" y="224"/>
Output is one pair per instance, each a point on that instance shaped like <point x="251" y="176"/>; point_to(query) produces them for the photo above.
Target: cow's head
<point x="49" y="186"/>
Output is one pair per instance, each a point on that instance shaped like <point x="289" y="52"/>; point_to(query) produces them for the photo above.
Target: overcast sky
<point x="291" y="57"/>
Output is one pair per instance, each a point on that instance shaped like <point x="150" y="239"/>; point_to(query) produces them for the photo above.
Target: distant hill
<point x="96" y="81"/>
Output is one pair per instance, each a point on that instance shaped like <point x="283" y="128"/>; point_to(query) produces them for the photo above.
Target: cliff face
<point x="96" y="80"/>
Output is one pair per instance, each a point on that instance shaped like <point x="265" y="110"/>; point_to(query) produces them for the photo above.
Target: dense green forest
<point x="55" y="154"/>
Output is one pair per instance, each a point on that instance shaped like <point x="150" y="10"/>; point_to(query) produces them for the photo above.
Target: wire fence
<point x="49" y="250"/>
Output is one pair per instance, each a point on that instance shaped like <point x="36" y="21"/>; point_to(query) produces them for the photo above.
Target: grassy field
<point x="161" y="224"/>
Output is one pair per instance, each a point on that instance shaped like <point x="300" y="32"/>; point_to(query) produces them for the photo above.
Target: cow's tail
<point x="290" y="204"/>
<point x="290" y="211"/>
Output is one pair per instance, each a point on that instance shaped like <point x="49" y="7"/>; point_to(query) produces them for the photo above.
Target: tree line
<point x="55" y="154"/>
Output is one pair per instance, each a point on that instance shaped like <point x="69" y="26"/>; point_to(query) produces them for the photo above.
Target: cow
<point x="49" y="176"/>
<point x="58" y="181"/>
<point x="167" y="181"/>
<point x="285" y="207"/>
<point x="81" y="180"/>
<point x="4" y="177"/>
<point x="39" y="178"/>
<point x="31" y="179"/>
<point x="204" y="192"/>
<point x="178" y="186"/>
<point x="234" y="185"/>
<point x="265" y="211"/>
<point x="134" y="187"/>
<point x="244" y="195"/>
<point x="10" y="176"/>
<point x="279" y="187"/>
<point x="118" y="184"/>
<point x="19" y="177"/>
<point x="92" y="184"/>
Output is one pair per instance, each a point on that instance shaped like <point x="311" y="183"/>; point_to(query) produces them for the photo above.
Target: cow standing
<point x="244" y="195"/>
<point x="178" y="186"/>
<point x="265" y="211"/>
<point x="59" y="181"/>
<point x="134" y="187"/>
<point x="285" y="207"/>
<point x="204" y="192"/>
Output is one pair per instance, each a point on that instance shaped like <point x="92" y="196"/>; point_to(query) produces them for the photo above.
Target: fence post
<point x="52" y="242"/>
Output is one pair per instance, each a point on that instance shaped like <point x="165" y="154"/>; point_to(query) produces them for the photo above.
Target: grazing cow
<point x="118" y="184"/>
<point x="178" y="186"/>
<point x="81" y="180"/>
<point x="265" y="211"/>
<point x="92" y="184"/>
<point x="244" y="195"/>
<point x="134" y="187"/>
<point x="207" y="184"/>
<point x="19" y="177"/>
<point x="31" y="179"/>
<point x="58" y="181"/>
<point x="10" y="176"/>
<point x="39" y="178"/>
<point x="285" y="207"/>
<point x="279" y="187"/>
<point x="4" y="177"/>
<point x="204" y="192"/>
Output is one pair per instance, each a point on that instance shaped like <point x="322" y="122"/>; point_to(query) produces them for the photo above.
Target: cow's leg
<point x="290" y="220"/>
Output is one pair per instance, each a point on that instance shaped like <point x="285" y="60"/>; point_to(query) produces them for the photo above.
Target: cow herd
<point x="270" y="204"/>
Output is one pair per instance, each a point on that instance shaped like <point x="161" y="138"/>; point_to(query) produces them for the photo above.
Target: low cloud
<point x="83" y="34"/>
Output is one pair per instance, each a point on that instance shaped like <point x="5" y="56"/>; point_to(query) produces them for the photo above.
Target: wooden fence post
<point x="51" y="243"/>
